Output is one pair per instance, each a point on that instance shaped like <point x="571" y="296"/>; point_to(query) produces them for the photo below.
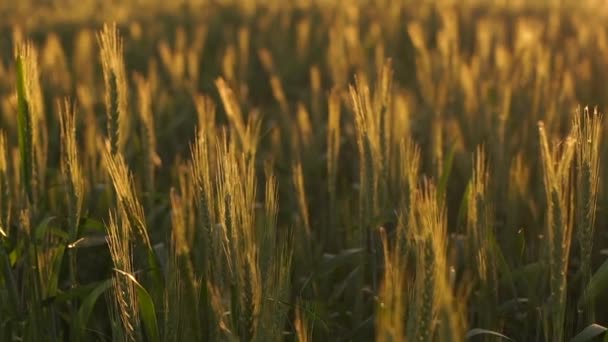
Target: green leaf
<point x="523" y="274"/>
<point x="315" y="311"/>
<point x="77" y="292"/>
<point x="58" y="232"/>
<point x="597" y="285"/>
<point x="18" y="252"/>
<point x="331" y="262"/>
<point x="462" y="210"/>
<point x="56" y="270"/>
<point x="445" y="175"/>
<point x="156" y="275"/>
<point x="88" y="224"/>
<point x="478" y="331"/>
<point x="502" y="263"/>
<point x="589" y="333"/>
<point x="9" y="281"/>
<point x="86" y="308"/>
<point x="43" y="227"/>
<point x="146" y="308"/>
<point x="343" y="284"/>
<point x="513" y="305"/>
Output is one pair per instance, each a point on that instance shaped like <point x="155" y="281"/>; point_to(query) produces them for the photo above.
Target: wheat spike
<point x="115" y="81"/>
<point x="122" y="179"/>
<point x="119" y="244"/>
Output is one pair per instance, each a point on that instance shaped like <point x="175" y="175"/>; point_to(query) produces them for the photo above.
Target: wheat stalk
<point x="302" y="327"/>
<point x="298" y="181"/>
<point x="5" y="196"/>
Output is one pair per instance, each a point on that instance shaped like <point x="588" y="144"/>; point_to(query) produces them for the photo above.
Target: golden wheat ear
<point x="557" y="168"/>
<point x="124" y="187"/>
<point x="587" y="128"/>
<point x="31" y="118"/>
<point x="123" y="294"/>
<point x="147" y="135"/>
<point x="70" y="163"/>
<point x="116" y="90"/>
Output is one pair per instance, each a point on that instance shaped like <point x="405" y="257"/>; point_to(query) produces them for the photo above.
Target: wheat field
<point x="303" y="171"/>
